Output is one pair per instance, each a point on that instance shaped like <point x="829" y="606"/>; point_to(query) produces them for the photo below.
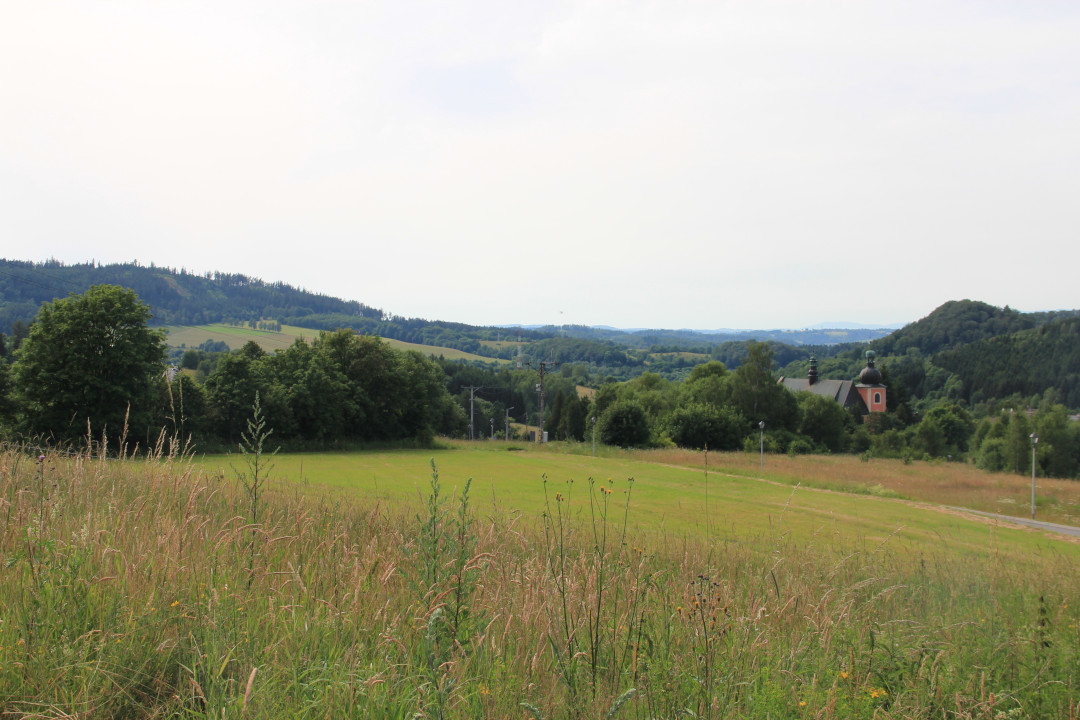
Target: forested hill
<point x="177" y="297"/>
<point x="960" y="322"/>
<point x="974" y="353"/>
<point x="174" y="296"/>
<point x="1024" y="363"/>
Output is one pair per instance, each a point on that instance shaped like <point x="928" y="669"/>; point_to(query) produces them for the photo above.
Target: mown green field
<point x="665" y="501"/>
<point x="684" y="355"/>
<point x="236" y="335"/>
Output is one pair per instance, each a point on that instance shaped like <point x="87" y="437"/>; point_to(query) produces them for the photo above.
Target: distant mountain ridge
<point x="645" y="338"/>
<point x="964" y="351"/>
<point x="180" y="297"/>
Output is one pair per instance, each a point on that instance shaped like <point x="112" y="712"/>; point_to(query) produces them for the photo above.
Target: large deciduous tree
<point x="625" y="424"/>
<point x="90" y="359"/>
<point x="757" y="395"/>
<point x="707" y="426"/>
<point x="823" y="420"/>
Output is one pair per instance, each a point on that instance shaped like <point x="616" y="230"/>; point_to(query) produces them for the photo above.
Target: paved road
<point x="1048" y="526"/>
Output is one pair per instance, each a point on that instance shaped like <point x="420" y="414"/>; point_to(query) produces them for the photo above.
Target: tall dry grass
<point x="127" y="590"/>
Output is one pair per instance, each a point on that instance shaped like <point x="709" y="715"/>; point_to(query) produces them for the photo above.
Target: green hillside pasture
<point x="502" y="344"/>
<point x="682" y="355"/>
<point x="448" y="353"/>
<point x="235" y="336"/>
<point x="666" y="501"/>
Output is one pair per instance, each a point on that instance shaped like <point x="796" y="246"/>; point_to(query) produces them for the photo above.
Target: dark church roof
<point x="841" y="391"/>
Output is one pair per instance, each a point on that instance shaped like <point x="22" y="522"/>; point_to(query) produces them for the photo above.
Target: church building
<point x="867" y="395"/>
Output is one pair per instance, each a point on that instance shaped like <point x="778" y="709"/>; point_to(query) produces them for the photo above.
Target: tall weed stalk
<point x="259" y="465"/>
<point x="446" y="567"/>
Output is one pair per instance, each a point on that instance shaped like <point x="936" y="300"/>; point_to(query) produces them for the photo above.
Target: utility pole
<point x="472" y="393"/>
<point x="540" y="391"/>
<point x="492" y="421"/>
<point x="1034" y="442"/>
<point x="507" y="431"/>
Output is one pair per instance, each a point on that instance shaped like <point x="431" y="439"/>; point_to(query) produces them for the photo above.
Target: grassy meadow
<point x="235" y="336"/>
<point x="367" y="585"/>
<point x="673" y="497"/>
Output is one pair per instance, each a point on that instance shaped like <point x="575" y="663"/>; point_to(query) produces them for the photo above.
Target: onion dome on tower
<point x="812" y="376"/>
<point x="870" y="375"/>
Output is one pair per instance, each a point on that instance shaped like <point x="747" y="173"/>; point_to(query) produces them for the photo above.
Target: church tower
<point x="869" y="385"/>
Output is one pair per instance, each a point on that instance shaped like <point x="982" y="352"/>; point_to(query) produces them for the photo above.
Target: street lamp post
<point x="761" y="427"/>
<point x="1034" y="442"/>
<point x="507" y="431"/>
<point x="594" y="436"/>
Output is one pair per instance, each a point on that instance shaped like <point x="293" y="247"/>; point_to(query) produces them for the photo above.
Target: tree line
<point x="91" y="365"/>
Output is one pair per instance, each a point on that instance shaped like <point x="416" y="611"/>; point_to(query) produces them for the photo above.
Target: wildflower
<point x="802" y="703"/>
<point x="844" y="675"/>
<point x="175" y="603"/>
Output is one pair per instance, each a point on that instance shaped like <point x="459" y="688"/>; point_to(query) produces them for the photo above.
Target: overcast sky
<point x="668" y="164"/>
